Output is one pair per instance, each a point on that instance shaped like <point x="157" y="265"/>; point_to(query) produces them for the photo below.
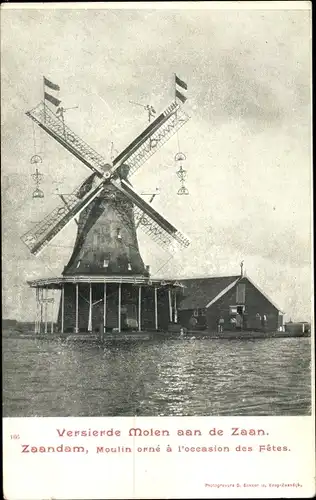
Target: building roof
<point x="265" y="295"/>
<point x="199" y="292"/>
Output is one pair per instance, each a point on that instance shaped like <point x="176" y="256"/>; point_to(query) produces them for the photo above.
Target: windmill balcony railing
<point x="105" y="279"/>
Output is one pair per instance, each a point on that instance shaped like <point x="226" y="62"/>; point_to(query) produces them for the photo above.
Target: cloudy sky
<point x="247" y="142"/>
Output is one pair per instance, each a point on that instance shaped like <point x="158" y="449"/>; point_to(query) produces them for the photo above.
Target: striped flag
<point x="181" y="83"/>
<point x="50" y="97"/>
<point x="51" y="85"/>
<point x="183" y="86"/>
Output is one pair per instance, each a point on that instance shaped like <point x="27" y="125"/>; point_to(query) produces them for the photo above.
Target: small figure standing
<point x="258" y="321"/>
<point x="193" y="322"/>
<point x="245" y="320"/>
<point x="233" y="322"/>
<point x="238" y="321"/>
<point x="220" y="325"/>
<point x="264" y="321"/>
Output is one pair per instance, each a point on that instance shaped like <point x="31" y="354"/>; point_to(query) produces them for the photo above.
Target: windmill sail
<point x="139" y="151"/>
<point x="54" y="126"/>
<point x="152" y="138"/>
<point x="150" y="220"/>
<point x="44" y="231"/>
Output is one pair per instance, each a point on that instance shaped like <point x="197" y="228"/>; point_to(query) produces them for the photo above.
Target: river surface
<point x="157" y="378"/>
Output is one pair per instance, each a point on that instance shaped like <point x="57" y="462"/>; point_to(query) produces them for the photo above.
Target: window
<point x="105" y="263"/>
<point x="241" y="293"/>
<point x="199" y="312"/>
<point x="129" y="266"/>
<point x="236" y="310"/>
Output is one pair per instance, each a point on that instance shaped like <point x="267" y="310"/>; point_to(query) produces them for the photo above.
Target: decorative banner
<point x="180" y="96"/>
<point x="52" y="99"/>
<point x="49" y="97"/>
<point x="51" y="85"/>
<point x="180" y="83"/>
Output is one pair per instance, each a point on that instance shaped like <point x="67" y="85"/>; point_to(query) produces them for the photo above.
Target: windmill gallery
<point x="106" y="288"/>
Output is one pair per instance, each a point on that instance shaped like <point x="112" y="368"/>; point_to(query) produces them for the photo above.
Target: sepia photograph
<point x="156" y="211"/>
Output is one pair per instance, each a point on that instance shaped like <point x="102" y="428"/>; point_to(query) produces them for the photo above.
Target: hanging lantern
<point x="37" y="176"/>
<point x="38" y="193"/>
<point x="180" y="157"/>
<point x="183" y="190"/>
<point x="181" y="173"/>
<point x="36" y="159"/>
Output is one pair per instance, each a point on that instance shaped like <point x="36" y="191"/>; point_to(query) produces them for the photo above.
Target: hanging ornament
<point x="37" y="177"/>
<point x="36" y="159"/>
<point x="180" y="157"/>
<point x="181" y="173"/>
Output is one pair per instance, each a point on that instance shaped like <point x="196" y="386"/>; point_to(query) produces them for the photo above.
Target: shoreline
<point x="87" y="337"/>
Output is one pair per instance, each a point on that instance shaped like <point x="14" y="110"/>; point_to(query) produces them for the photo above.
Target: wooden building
<point x="227" y="303"/>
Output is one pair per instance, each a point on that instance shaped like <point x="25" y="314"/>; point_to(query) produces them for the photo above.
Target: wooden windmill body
<point x="105" y="285"/>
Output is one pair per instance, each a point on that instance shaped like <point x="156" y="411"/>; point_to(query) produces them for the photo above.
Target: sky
<point x="247" y="143"/>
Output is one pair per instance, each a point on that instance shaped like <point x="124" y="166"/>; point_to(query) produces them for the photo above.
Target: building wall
<point x="129" y="308"/>
<point x="9" y="323"/>
<point x="187" y="319"/>
<point x="255" y="303"/>
<point x="106" y="242"/>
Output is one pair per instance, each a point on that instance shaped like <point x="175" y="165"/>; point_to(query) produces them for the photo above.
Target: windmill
<point x="105" y="284"/>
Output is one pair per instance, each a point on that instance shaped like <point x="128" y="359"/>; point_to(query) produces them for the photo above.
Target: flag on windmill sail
<point x="49" y="97"/>
<point x="183" y="86"/>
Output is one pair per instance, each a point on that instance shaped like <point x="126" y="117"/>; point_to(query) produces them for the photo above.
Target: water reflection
<point x="180" y="377"/>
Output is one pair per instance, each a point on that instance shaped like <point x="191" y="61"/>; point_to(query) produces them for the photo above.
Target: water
<point x="151" y="378"/>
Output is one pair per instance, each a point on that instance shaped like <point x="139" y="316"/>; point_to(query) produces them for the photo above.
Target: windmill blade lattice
<point x="49" y="122"/>
<point x="151" y="222"/>
<point x="155" y="136"/>
<point x="142" y="148"/>
<point x="44" y="231"/>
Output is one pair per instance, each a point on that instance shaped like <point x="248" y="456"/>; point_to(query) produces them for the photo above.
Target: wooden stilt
<point x="77" y="309"/>
<point x="156" y="308"/>
<point x="90" y="309"/>
<point x="41" y="310"/>
<point x="119" y="306"/>
<point x="139" y="308"/>
<point x="170" y="305"/>
<point x="36" y="312"/>
<point x="45" y="309"/>
<point x="62" y="307"/>
<point x="175" y="307"/>
<point x="52" y="317"/>
<point x="104" y="309"/>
